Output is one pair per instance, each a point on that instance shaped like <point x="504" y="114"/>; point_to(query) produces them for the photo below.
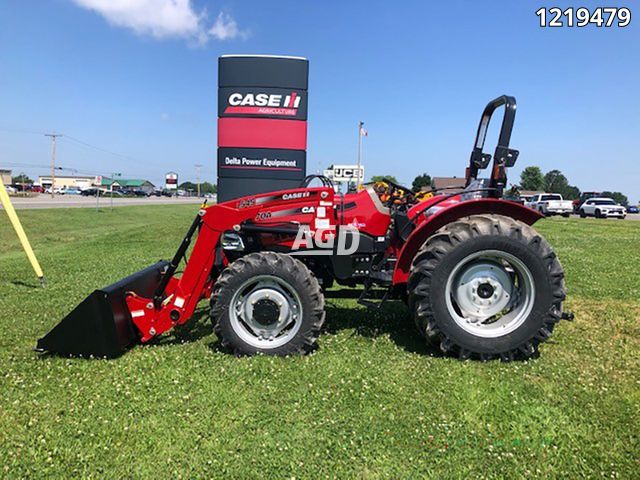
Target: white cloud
<point x="164" y="19"/>
<point x="225" y="28"/>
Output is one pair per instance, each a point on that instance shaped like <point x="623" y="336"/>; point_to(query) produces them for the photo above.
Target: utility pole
<point x="198" y="167"/>
<point x="53" y="158"/>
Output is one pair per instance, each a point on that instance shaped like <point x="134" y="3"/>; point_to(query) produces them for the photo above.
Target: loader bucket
<point x="101" y="325"/>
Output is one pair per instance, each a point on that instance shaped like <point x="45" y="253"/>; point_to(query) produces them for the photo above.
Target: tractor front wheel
<point x="268" y="303"/>
<point x="487" y="286"/>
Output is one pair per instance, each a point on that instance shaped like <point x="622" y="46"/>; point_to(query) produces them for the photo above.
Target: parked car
<point x="551" y="204"/>
<point x="633" y="209"/>
<point x="36" y="189"/>
<point x="10" y="189"/>
<point x="602" y="208"/>
<point x="90" y="192"/>
<point x="71" y="191"/>
<point x="584" y="196"/>
<point x="140" y="193"/>
<point x="162" y="192"/>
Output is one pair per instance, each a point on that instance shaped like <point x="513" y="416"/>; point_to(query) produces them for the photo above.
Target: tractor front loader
<point x="478" y="280"/>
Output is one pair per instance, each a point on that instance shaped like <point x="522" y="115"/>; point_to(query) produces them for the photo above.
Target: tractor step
<point x="369" y="301"/>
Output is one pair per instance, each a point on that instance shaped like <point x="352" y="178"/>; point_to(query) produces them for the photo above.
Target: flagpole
<point x="360" y="124"/>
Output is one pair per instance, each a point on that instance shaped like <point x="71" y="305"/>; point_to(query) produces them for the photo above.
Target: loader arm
<point x="176" y="304"/>
<point x="176" y="299"/>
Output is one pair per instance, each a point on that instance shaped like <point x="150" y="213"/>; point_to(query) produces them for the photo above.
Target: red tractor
<point x="478" y="280"/>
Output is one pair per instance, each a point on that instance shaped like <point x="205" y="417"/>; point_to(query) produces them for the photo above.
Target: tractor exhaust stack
<point x="101" y="325"/>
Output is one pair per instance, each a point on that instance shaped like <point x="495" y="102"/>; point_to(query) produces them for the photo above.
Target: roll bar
<point x="504" y="156"/>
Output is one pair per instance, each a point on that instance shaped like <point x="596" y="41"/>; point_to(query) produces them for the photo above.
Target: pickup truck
<point x="550" y="204"/>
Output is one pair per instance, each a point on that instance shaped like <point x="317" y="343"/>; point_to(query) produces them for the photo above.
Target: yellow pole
<point x="15" y="221"/>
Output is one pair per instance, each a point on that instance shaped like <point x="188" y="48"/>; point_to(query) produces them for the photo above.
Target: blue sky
<point x="142" y="84"/>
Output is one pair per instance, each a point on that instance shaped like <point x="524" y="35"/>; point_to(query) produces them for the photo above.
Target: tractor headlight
<point x="232" y="241"/>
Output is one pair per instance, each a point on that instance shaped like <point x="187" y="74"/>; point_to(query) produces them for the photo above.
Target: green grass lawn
<point x="372" y="402"/>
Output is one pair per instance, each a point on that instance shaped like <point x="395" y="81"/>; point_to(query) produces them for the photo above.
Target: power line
<point x="28" y="165"/>
<point x="20" y="130"/>
<point x="73" y="139"/>
<point x="103" y="150"/>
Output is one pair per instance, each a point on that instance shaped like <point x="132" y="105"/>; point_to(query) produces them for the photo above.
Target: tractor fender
<point x="450" y="214"/>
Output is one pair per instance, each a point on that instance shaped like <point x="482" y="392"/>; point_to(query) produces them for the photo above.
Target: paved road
<point x="78" y="201"/>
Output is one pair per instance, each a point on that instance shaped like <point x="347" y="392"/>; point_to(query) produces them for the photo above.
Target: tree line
<point x="555" y="181"/>
<point x="531" y="178"/>
<point x="205" y="187"/>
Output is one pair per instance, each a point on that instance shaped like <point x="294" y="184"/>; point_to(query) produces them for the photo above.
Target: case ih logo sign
<point x="262" y="124"/>
<point x="171" y="181"/>
<point x="263" y="104"/>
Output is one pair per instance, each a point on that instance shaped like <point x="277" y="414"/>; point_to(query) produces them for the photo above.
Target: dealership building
<point x="88" y="181"/>
<point x="124" y="184"/>
<point x="67" y="181"/>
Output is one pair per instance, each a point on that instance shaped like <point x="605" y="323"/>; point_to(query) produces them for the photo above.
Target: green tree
<point x="619" y="197"/>
<point x="380" y="178"/>
<point x="186" y="186"/>
<point x="555" y="182"/>
<point x="206" y="187"/>
<point x="571" y="193"/>
<point x="531" y="179"/>
<point x="420" y="181"/>
<point x="22" y="178"/>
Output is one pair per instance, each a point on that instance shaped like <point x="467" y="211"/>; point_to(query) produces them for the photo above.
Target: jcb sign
<point x="345" y="173"/>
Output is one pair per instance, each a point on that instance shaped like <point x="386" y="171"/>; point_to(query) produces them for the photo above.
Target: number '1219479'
<point x="582" y="17"/>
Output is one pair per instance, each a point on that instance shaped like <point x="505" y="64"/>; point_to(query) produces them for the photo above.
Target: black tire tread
<point x="446" y="239"/>
<point x="274" y="262"/>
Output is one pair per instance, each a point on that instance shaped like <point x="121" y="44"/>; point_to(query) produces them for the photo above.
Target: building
<point x="67" y="181"/>
<point x="449" y="184"/>
<point x="530" y="193"/>
<point x="129" y="185"/>
<point x="6" y="176"/>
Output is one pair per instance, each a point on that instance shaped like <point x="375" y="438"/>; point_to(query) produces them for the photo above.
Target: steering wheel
<point x="326" y="182"/>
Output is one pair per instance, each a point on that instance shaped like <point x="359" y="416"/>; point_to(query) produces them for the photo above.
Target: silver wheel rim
<point x="490" y="293"/>
<point x="273" y="295"/>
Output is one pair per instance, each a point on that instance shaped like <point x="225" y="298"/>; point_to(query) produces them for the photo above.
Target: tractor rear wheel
<point x="268" y="303"/>
<point x="487" y="286"/>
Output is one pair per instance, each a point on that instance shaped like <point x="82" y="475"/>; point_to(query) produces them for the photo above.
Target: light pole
<point x="113" y="176"/>
<point x="198" y="167"/>
<point x="53" y="158"/>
